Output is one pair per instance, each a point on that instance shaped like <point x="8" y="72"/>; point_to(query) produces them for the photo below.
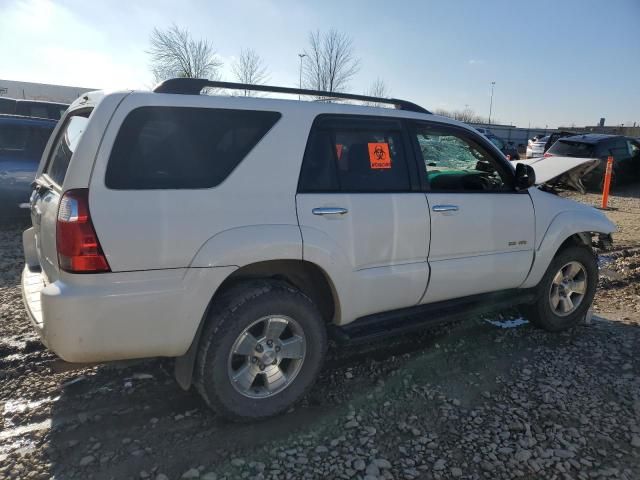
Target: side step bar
<point x="396" y="322"/>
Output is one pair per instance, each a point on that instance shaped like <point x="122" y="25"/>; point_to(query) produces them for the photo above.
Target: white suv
<point x="237" y="233"/>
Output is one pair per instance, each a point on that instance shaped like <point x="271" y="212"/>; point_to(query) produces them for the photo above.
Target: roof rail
<point x="193" y="86"/>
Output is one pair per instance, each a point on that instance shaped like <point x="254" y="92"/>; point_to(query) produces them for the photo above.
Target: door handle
<point x="445" y="208"/>
<point x="329" y="211"/>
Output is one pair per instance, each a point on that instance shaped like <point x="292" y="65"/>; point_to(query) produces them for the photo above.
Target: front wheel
<point x="262" y="349"/>
<point x="566" y="291"/>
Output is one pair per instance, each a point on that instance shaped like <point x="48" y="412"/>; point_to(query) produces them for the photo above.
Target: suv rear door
<point x="358" y="196"/>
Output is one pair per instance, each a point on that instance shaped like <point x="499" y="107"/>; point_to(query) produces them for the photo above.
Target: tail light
<point x="78" y="247"/>
<point x="547" y="155"/>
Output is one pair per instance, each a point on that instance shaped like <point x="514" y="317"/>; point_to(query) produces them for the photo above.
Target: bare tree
<point x="249" y="68"/>
<point x="174" y="53"/>
<point x="330" y="61"/>
<point x="377" y="89"/>
<point x="467" y="115"/>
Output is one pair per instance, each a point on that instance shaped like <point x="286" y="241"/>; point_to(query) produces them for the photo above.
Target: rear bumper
<point x="117" y="316"/>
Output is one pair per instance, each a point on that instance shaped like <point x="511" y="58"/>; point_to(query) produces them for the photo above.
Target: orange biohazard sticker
<point x="379" y="157"/>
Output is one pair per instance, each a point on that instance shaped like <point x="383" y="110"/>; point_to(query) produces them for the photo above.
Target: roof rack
<point x="193" y="86"/>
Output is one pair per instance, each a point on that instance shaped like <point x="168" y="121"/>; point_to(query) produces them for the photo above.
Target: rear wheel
<point x="261" y="351"/>
<point x="566" y="291"/>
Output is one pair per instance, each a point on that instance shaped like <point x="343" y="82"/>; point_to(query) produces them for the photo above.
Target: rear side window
<point x="24" y="142"/>
<point x="7" y="105"/>
<point x="355" y="159"/>
<point x="568" y="148"/>
<point x="66" y="144"/>
<point x="619" y="149"/>
<point x="13" y="138"/>
<point x="183" y="148"/>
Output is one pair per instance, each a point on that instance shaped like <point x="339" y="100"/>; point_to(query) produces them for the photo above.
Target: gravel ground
<point x="619" y="294"/>
<point x="471" y="401"/>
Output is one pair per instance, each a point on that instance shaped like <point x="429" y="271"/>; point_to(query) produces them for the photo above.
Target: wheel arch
<point x="306" y="276"/>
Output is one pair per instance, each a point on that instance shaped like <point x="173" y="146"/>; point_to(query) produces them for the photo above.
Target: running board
<point x="397" y="322"/>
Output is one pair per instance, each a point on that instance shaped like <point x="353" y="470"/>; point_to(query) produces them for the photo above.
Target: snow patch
<point x="510" y="323"/>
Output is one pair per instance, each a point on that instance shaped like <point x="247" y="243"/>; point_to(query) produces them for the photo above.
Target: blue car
<point x="22" y="141"/>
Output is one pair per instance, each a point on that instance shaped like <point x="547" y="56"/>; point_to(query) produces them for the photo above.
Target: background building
<point x="41" y="91"/>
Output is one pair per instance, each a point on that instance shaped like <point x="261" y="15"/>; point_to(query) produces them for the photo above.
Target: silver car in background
<point x="536" y="146"/>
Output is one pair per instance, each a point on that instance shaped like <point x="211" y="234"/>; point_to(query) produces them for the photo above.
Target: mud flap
<point x="184" y="364"/>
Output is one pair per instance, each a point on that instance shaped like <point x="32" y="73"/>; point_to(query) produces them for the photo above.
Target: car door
<point x="619" y="149"/>
<point x="634" y="152"/>
<point x="482" y="229"/>
<point x="362" y="215"/>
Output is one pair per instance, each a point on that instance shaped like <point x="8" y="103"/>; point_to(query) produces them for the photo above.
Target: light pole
<point x="493" y="84"/>
<point x="301" y="55"/>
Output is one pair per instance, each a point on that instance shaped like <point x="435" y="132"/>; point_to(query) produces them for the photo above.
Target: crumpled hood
<point x="569" y="170"/>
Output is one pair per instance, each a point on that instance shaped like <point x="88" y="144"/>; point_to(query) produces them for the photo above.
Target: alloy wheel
<point x="267" y="356"/>
<point x="568" y="289"/>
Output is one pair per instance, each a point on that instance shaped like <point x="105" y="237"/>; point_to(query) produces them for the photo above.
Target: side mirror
<point x="525" y="176"/>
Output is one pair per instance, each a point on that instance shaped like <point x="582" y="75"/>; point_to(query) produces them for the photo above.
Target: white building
<point x="41" y="91"/>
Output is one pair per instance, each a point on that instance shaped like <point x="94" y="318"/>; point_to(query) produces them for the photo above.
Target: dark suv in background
<point x="625" y="152"/>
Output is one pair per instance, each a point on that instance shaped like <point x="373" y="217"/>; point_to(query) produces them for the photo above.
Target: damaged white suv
<point x="236" y="234"/>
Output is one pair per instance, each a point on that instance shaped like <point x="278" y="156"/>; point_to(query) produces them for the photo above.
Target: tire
<point x="244" y="314"/>
<point x="542" y="313"/>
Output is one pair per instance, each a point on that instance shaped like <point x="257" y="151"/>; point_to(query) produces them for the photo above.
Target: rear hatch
<point x="60" y="197"/>
<point x="47" y="192"/>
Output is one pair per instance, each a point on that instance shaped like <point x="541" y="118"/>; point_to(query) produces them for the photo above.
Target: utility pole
<point x="301" y="55"/>
<point x="493" y="84"/>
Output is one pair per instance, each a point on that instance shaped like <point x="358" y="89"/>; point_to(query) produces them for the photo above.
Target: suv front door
<point x="482" y="229"/>
<point x="362" y="214"/>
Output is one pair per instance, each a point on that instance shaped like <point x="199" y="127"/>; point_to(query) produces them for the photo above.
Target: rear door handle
<point x="329" y="211"/>
<point x="445" y="208"/>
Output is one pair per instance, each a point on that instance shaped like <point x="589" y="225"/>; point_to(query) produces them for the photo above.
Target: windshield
<point x="569" y="148"/>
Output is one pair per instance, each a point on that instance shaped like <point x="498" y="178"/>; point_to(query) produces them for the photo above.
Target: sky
<point x="554" y="63"/>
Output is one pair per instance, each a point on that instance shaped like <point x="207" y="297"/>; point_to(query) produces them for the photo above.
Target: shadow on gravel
<point x="115" y="422"/>
<point x="112" y="422"/>
<point x="134" y="421"/>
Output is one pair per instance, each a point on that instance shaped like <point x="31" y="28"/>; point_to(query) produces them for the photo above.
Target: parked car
<point x="541" y="143"/>
<point x="32" y="108"/>
<point x="237" y="233"/>
<point x="536" y="146"/>
<point x="625" y="152"/>
<point x="555" y="136"/>
<point x="22" y="141"/>
<point x="507" y="148"/>
<point x="484" y="131"/>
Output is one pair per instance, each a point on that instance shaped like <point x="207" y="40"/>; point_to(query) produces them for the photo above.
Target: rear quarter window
<point x="66" y="143"/>
<point x="183" y="148"/>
